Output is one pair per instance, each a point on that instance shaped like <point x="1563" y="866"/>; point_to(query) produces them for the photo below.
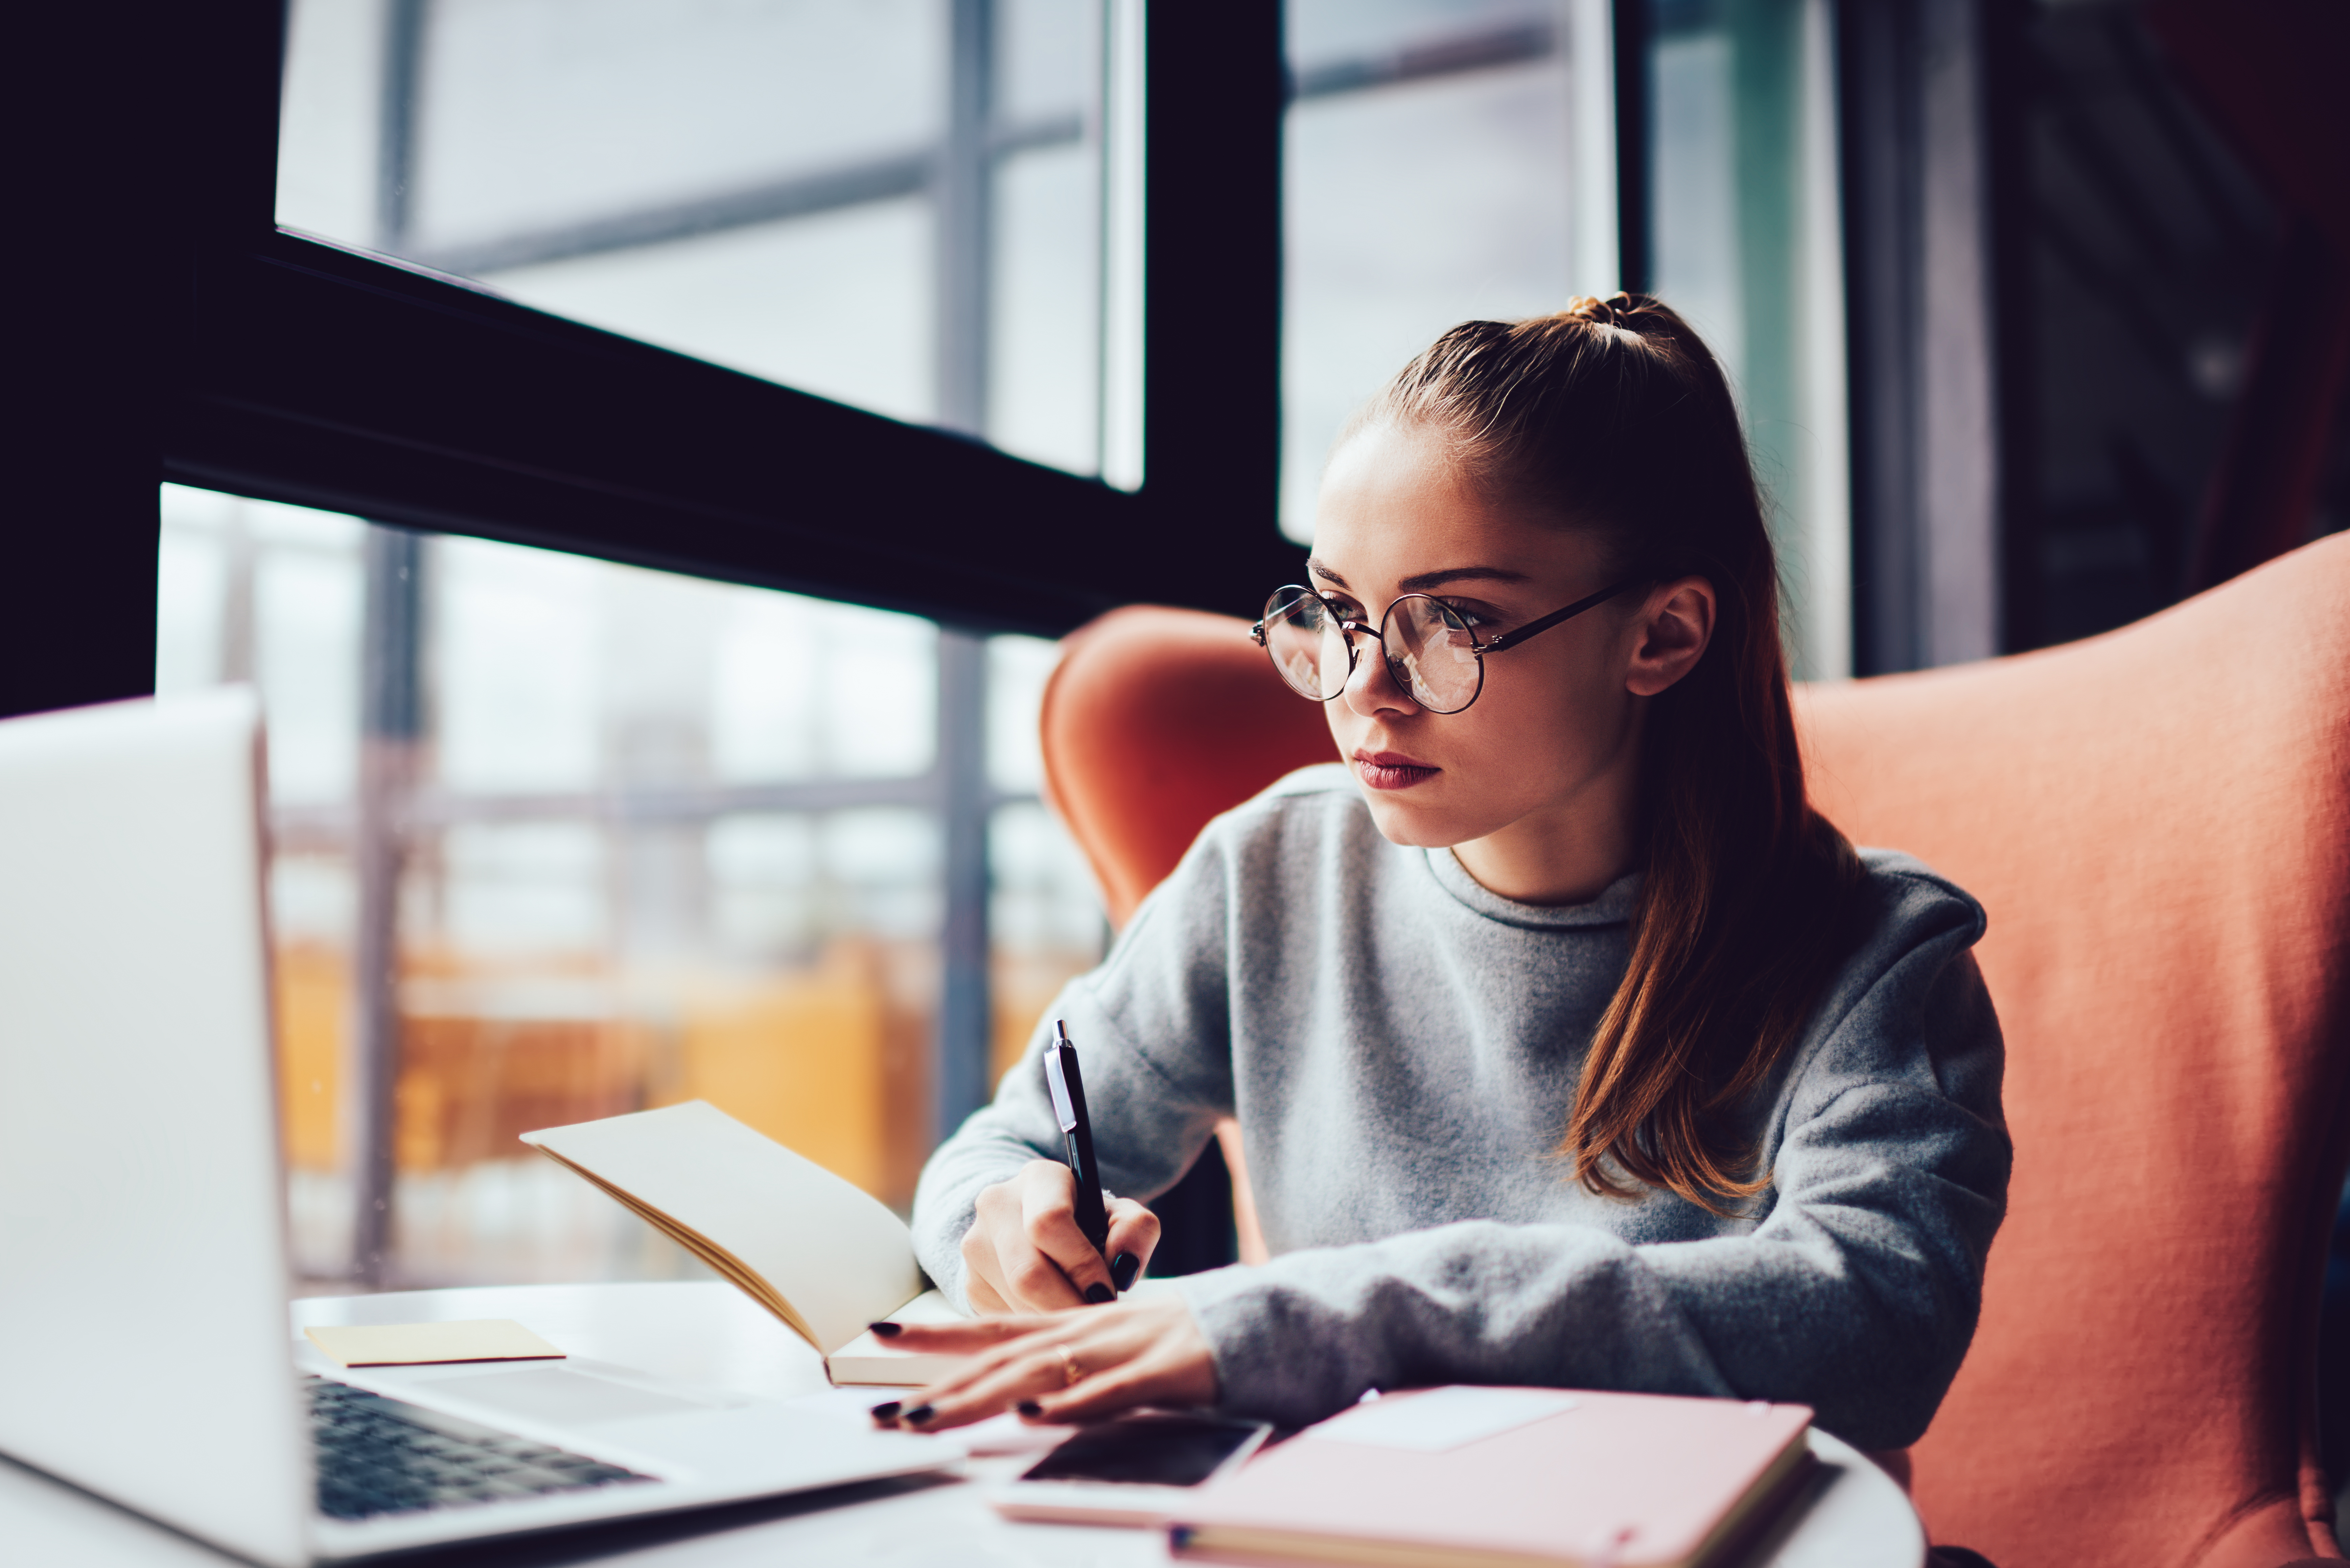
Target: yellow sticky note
<point x="414" y="1343"/>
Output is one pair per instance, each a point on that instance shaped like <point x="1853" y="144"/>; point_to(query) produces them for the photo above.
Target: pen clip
<point x="1057" y="1081"/>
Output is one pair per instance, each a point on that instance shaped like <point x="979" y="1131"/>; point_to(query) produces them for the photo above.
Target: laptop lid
<point x="142" y="1253"/>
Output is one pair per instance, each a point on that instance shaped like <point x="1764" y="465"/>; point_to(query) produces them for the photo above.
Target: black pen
<point x="1068" y="1089"/>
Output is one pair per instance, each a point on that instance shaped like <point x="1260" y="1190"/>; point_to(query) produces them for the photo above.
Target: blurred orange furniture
<point x="2159" y="823"/>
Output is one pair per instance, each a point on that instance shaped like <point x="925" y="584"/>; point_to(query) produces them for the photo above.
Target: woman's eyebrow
<point x="1420" y="582"/>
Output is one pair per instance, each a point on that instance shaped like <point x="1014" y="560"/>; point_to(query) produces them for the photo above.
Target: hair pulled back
<point x="1612" y="416"/>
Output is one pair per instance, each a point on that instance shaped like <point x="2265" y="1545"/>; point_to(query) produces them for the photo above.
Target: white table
<point x="1855" y="1516"/>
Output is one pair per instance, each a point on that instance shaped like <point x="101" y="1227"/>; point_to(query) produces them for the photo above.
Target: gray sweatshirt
<point x="1400" y="1047"/>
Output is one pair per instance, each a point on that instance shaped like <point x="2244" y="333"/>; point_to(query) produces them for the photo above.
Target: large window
<point x="609" y="836"/>
<point x="649" y="838"/>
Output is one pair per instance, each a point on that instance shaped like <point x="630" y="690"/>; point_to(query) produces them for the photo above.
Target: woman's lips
<point x="1391" y="770"/>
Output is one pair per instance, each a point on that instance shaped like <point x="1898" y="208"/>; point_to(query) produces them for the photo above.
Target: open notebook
<point x="821" y="1254"/>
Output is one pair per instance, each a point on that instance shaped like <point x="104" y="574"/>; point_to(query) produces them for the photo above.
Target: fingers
<point x="997" y="1376"/>
<point x="1168" y="1362"/>
<point x="1049" y="1224"/>
<point x="1081" y="1364"/>
<point x="1024" y="1252"/>
<point x="1160" y="1376"/>
<point x="969" y="1334"/>
<point x="1133" y="1236"/>
<point x="1006" y="1378"/>
<point x="1005" y="1269"/>
<point x="982" y="1296"/>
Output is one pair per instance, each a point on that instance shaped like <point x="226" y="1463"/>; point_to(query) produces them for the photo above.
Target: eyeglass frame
<point x="1508" y="639"/>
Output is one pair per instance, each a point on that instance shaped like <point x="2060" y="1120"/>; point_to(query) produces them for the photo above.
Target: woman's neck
<point x="1568" y="852"/>
<point x="1544" y="874"/>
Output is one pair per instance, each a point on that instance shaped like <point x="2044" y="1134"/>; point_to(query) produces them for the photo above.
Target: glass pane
<point x="248" y="591"/>
<point x="1045" y="921"/>
<point x="1045" y="359"/>
<point x="1329" y="35"/>
<point x="756" y="182"/>
<point x="837" y="303"/>
<point x="1427" y="183"/>
<point x="1745" y="240"/>
<point x="1048" y="53"/>
<point x="535" y="116"/>
<point x="1017" y="669"/>
<point x="664" y="839"/>
<point x="1045" y="918"/>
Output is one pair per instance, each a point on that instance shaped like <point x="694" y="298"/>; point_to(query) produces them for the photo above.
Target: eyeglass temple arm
<point x="1512" y="638"/>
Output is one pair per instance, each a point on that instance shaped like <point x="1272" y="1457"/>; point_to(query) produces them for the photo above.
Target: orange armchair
<point x="2158" y="822"/>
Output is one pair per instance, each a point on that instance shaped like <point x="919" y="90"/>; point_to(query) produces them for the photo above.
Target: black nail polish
<point x="1123" y="1269"/>
<point x="919" y="1413"/>
<point x="1030" y="1408"/>
<point x="887" y="1409"/>
<point x="1098" y="1292"/>
<point x="887" y="1330"/>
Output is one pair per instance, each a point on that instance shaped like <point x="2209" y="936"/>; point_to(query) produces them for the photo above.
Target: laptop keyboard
<point x="379" y="1456"/>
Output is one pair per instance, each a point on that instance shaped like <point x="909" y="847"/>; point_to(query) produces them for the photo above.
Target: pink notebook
<point x="1546" y="1478"/>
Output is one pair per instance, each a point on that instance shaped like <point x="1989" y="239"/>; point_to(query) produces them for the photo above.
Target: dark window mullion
<point x="334" y="379"/>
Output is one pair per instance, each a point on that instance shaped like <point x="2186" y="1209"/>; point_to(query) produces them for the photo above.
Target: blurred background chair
<point x="2158" y="822"/>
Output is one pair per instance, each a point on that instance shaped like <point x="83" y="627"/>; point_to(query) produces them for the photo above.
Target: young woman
<point x="1568" y="1044"/>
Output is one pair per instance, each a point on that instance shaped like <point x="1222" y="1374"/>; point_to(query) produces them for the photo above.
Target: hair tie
<point x="1600" y="312"/>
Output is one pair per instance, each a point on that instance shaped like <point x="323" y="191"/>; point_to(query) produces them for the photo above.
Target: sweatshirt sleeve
<point x="1857" y="1293"/>
<point x="1152" y="1029"/>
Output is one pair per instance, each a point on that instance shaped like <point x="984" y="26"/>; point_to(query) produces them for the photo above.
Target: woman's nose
<point x="1371" y="687"/>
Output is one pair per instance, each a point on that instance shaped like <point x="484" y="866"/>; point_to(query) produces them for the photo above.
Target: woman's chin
<point x="1414" y="825"/>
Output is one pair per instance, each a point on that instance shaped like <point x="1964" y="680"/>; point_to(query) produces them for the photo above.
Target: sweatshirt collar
<point x="1613" y="907"/>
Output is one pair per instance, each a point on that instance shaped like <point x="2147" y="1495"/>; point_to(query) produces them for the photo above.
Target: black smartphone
<point x="1133" y="1470"/>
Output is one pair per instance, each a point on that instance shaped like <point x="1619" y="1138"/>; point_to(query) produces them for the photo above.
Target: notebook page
<point x="836" y="1253"/>
<point x="721" y="1262"/>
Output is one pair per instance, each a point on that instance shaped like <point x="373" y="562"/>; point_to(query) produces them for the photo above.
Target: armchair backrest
<point x="2158" y="821"/>
<point x="1155" y="721"/>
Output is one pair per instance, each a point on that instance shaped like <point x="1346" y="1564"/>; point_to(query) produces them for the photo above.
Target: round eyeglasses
<point x="1429" y="649"/>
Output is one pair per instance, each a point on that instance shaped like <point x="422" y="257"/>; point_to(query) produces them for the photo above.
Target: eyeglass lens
<point x="1428" y="648"/>
<point x="1306" y="643"/>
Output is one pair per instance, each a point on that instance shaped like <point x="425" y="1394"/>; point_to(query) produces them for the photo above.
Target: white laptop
<point x="145" y="1351"/>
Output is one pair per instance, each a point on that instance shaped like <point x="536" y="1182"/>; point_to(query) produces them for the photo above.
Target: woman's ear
<point x="1673" y="627"/>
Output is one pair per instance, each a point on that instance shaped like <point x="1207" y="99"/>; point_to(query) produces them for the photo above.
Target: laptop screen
<point x="143" y="1333"/>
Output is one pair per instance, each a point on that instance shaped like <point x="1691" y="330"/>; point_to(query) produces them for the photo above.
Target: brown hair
<point x="1613" y="416"/>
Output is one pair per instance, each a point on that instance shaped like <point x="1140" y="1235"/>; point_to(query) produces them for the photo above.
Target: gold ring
<point x="1070" y="1371"/>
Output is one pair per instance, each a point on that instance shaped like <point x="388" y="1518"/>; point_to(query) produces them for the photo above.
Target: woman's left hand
<point x="1058" y="1367"/>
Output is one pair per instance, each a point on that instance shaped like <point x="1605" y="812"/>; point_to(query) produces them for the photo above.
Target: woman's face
<point x="1549" y="751"/>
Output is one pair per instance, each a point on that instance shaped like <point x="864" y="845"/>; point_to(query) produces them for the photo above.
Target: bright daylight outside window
<point x="662" y="839"/>
<point x="854" y="200"/>
<point x="1746" y="240"/>
<point x="1448" y="160"/>
<point x="566" y="838"/>
<point x="1428" y="172"/>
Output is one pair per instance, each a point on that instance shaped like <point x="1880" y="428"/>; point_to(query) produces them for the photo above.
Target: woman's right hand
<point x="1024" y="1253"/>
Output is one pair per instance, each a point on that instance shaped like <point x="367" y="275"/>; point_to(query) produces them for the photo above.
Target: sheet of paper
<point x="416" y="1343"/>
<point x="1440" y="1419"/>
